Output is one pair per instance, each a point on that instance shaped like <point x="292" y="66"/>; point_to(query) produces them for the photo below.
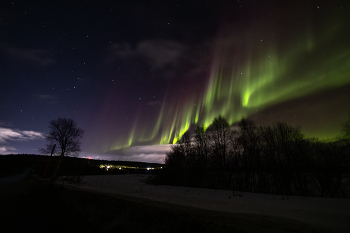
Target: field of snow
<point x="330" y="215"/>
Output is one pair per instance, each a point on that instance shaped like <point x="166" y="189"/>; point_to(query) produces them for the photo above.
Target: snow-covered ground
<point x="7" y="180"/>
<point x="328" y="214"/>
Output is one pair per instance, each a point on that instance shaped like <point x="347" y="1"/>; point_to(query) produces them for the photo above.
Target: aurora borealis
<point x="137" y="75"/>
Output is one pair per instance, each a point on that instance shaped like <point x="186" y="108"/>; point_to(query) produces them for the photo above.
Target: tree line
<point x="275" y="159"/>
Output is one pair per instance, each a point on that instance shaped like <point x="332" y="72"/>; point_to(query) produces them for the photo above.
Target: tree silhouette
<point x="346" y="130"/>
<point x="65" y="133"/>
<point x="274" y="159"/>
<point x="219" y="134"/>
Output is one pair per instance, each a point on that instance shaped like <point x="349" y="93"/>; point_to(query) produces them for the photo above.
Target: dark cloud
<point x="37" y="56"/>
<point x="157" y="54"/>
<point x="5" y="124"/>
<point x="45" y="97"/>
<point x="154" y="103"/>
<point x="49" y="99"/>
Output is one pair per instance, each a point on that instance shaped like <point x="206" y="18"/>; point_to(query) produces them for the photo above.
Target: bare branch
<point x="66" y="134"/>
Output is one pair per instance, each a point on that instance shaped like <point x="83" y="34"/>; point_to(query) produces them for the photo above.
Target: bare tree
<point x="346" y="130"/>
<point x="65" y="133"/>
<point x="220" y="133"/>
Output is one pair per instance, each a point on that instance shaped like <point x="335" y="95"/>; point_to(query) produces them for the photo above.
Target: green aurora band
<point x="250" y="73"/>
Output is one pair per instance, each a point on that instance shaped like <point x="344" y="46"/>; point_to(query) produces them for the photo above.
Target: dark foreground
<point x="32" y="205"/>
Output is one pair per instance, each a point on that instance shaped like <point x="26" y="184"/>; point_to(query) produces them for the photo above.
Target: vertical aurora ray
<point x="253" y="68"/>
<point x="260" y="75"/>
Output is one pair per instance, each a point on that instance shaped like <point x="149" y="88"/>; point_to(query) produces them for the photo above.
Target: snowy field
<point x="330" y="215"/>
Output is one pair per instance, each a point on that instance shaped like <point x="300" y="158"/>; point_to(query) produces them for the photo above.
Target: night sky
<point x="135" y="73"/>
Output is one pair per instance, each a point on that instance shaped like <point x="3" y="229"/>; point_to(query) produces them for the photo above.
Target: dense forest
<point x="274" y="159"/>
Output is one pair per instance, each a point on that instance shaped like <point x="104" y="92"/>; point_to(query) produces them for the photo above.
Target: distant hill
<point x="16" y="163"/>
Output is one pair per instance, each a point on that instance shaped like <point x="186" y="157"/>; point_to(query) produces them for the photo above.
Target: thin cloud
<point x="147" y="158"/>
<point x="47" y="98"/>
<point x="7" y="134"/>
<point x="37" y="56"/>
<point x="7" y="150"/>
<point x="156" y="53"/>
<point x="160" y="53"/>
<point x="166" y="58"/>
<point x="149" y="149"/>
<point x="154" y="103"/>
<point x="148" y="153"/>
<point x="5" y="124"/>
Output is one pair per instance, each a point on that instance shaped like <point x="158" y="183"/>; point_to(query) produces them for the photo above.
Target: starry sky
<point x="133" y="74"/>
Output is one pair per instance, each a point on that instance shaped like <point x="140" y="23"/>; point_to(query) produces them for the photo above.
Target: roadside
<point x="124" y="203"/>
<point x="39" y="206"/>
<point x="7" y="180"/>
<point x="323" y="214"/>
